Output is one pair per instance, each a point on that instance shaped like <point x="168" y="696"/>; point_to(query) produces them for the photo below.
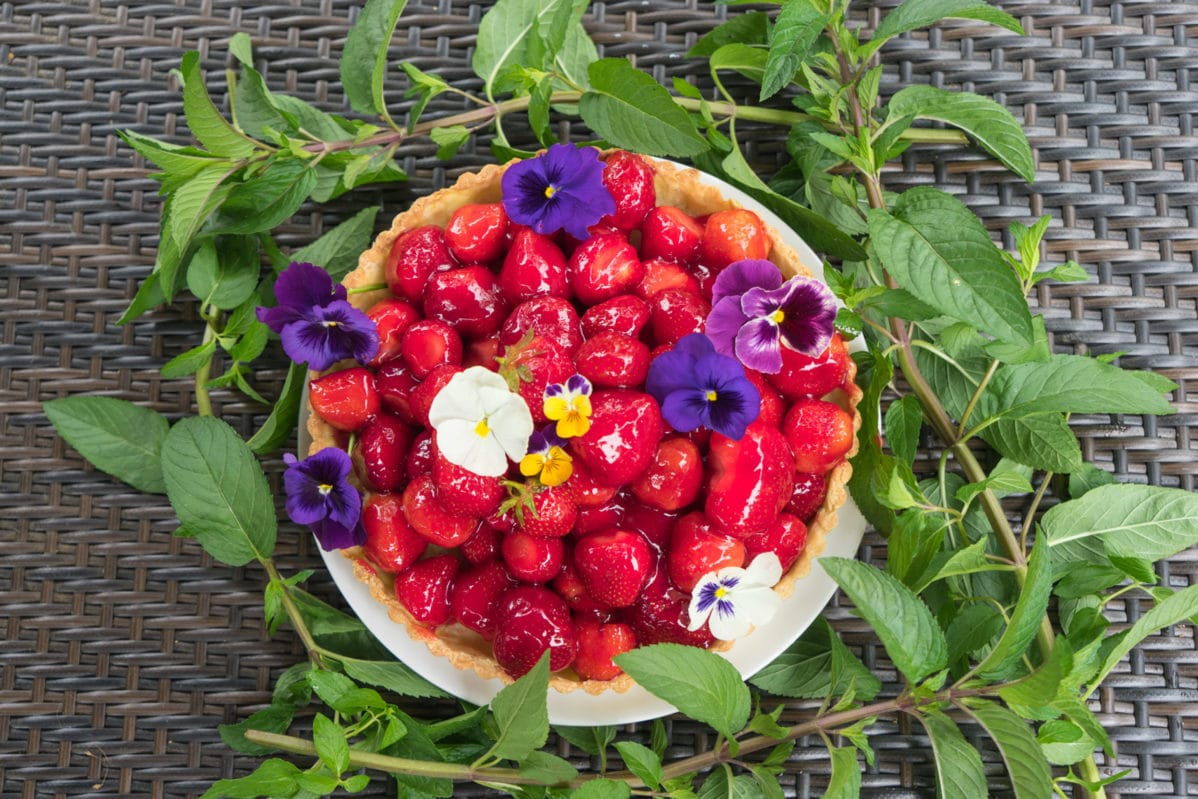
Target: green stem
<point x="203" y="401"/>
<point x="315" y="651"/>
<point x="977" y="395"/>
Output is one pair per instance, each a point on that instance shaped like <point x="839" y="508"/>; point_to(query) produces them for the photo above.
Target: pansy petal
<point x="578" y="385"/>
<point x="531" y="464"/>
<point x="727" y="623"/>
<point x="740" y="276"/>
<point x="455" y="401"/>
<point x="702" y="601"/>
<point x="510" y="426"/>
<point x="669" y="372"/>
<point x="685" y="409"/>
<point x="757" y="346"/>
<point x="280" y="316"/>
<point x="582" y="405"/>
<point x="809" y="315"/>
<point x="696" y="345"/>
<point x="765" y="570"/>
<point x="723" y="323"/>
<point x="481" y="377"/>
<point x="758" y="302"/>
<point x="331" y="535"/>
<point x="304" y="285"/>
<point x="555" y="408"/>
<point x="573" y="425"/>
<point x="461" y="445"/>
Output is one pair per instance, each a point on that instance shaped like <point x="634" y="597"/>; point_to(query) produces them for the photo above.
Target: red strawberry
<point x="531" y="558"/>
<point x="551" y="317"/>
<point x="395" y="382"/>
<point x="477" y="233"/>
<point x="569" y="586"/>
<point x="538" y="363"/>
<point x="749" y="480"/>
<point x="625" y="314"/>
<point x="663" y="614"/>
<point x="786" y="538"/>
<point x="653" y="523"/>
<point x="601" y="517"/>
<point x="420" y="456"/>
<point x="382" y="451"/>
<point x="466" y="298"/>
<point x="662" y="275"/>
<point x="613" y="360"/>
<point x="483" y="352"/>
<point x="803" y="376"/>
<point x="468" y="493"/>
<point x="808" y="495"/>
<point x="629" y="178"/>
<point x="603" y="267"/>
<point x="697" y="548"/>
<point x="587" y="492"/>
<point x="483" y="545"/>
<point x="733" y="235"/>
<point x="821" y="434"/>
<point x="671" y="234"/>
<point x="429" y="517"/>
<point x="533" y="267"/>
<point x="347" y="400"/>
<point x="475" y="599"/>
<point x="597" y="645"/>
<point x="424" y="589"/>
<point x="552" y="515"/>
<point x="429" y="343"/>
<point x="676" y="313"/>
<point x="619" y="444"/>
<point x="532" y="621"/>
<point x="674" y="476"/>
<point x="421" y="397"/>
<point x="614" y="566"/>
<point x="772" y="407"/>
<point x="391" y="543"/>
<point x="391" y="318"/>
<point x="414" y="256"/>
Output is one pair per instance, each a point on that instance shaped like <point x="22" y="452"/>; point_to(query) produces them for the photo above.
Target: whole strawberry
<point x="597" y="644"/>
<point x="532" y="621"/>
<point x="614" y="565"/>
<point x="625" y="427"/>
<point x="629" y="178"/>
<point x="821" y="434"/>
<point x="391" y="543"/>
<point x="697" y="548"/>
<point x="468" y="493"/>
<point x="431" y="518"/>
<point x="548" y="513"/>
<point x="749" y="481"/>
<point x="474" y="601"/>
<point x="347" y="399"/>
<point x="551" y="317"/>
<point x="425" y="588"/>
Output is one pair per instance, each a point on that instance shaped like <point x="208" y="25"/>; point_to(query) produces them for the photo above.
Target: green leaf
<point x="529" y="33"/>
<point x="720" y="784"/>
<point x="316" y="123"/>
<point x="592" y="740"/>
<point x="641" y="761"/>
<point x="1064" y="743"/>
<point x="338" y="249"/>
<point x="915" y="14"/>
<point x="699" y="683"/>
<point x="1080" y="714"/>
<point x="184" y="213"/>
<point x="631" y="110"/>
<point x="938" y="250"/>
<point x="1030" y="776"/>
<point x="992" y="126"/>
<point x="818" y="665"/>
<point x="748" y="61"/>
<point x="116" y="436"/>
<point x="254" y="109"/>
<point x="870" y="460"/>
<point x="1041" y="686"/>
<point x="749" y="28"/>
<point x="971" y="629"/>
<point x="189" y="362"/>
<point x="845" y="782"/>
<point x="330" y="743"/>
<point x="273" y="718"/>
<point x="904" y="418"/>
<point x="218" y="490"/>
<point x="915" y="541"/>
<point x="798" y="25"/>
<point x="1025" y="618"/>
<point x="364" y="59"/>
<point x="269" y="199"/>
<point x="1068" y="272"/>
<point x="1122" y="519"/>
<point x="206" y="122"/>
<point x="767" y="783"/>
<point x="901" y="620"/>
<point x="449" y="140"/>
<point x="521" y="713"/>
<point x="602" y="788"/>
<point x="178" y="161"/>
<point x="1073" y="384"/>
<point x="959" y="771"/>
<point x="224" y="271"/>
<point x="275" y="779"/>
<point x="1087" y="477"/>
<point x="390" y="674"/>
<point x="1041" y="441"/>
<point x="1168" y="611"/>
<point x="547" y="768"/>
<point x="1003" y="484"/>
<point x="342" y="694"/>
<point x="967" y="560"/>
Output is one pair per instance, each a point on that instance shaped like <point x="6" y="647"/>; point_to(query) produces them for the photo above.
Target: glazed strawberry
<point x="424" y="589"/>
<point x="532" y="558"/>
<point x="786" y="538"/>
<point x="629" y="179"/>
<point x="468" y="493"/>
<point x="391" y="318"/>
<point x="474" y="602"/>
<point x="625" y="314"/>
<point x="391" y="543"/>
<point x="597" y="645"/>
<point x="676" y="313"/>
<point x="347" y="400"/>
<point x="533" y="267"/>
<point x="662" y="616"/>
<point x="772" y="407"/>
<point x="587" y="492"/>
<point x="749" y="482"/>
<point x="420" y="456"/>
<point x="414" y="256"/>
<point x="674" y="476"/>
<point x="803" y="376"/>
<point x="431" y="518"/>
<point x="429" y="343"/>
<point x="670" y="234"/>
<point x="382" y="450"/>
<point x="477" y="233"/>
<point x="395" y="381"/>
<point x="601" y="517"/>
<point x="532" y="621"/>
<point x="653" y="523"/>
<point x="733" y="235"/>
<point x="613" y="360"/>
<point x="468" y="299"/>
<point x="483" y="545"/>
<point x="483" y="352"/>
<point x="821" y="434"/>
<point x="552" y="514"/>
<point x="538" y="363"/>
<point x="662" y="275"/>
<point x="696" y="548"/>
<point x="603" y="267"/>
<point x="808" y="495"/>
<point x="551" y="317"/>
<point x="569" y="586"/>
<point x="620" y="442"/>
<point x="420" y="399"/>
<point x="614" y="565"/>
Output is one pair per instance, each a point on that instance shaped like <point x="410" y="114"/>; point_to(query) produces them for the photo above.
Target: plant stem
<point x="293" y="614"/>
<point x="203" y="401"/>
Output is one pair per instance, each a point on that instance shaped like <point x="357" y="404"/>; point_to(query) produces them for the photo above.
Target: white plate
<point x="749" y="654"/>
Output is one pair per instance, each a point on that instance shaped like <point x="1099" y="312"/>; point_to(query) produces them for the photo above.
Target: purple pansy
<point x="698" y="387"/>
<point x="561" y="189"/>
<point x="316" y="322"/>
<point x="754" y="313"/>
<point x="320" y="496"/>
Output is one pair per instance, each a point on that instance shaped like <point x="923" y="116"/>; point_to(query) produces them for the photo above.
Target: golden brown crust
<point x="677" y="186"/>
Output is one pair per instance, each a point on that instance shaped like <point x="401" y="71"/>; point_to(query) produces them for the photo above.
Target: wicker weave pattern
<point x="124" y="647"/>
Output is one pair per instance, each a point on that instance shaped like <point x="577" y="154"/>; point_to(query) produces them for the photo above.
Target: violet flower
<point x="732" y="600"/>
<point x="754" y="314"/>
<point x="316" y="322"/>
<point x="320" y="496"/>
<point x="561" y="189"/>
<point x="698" y="387"/>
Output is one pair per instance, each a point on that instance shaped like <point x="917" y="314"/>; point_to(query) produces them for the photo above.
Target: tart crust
<point x="677" y="186"/>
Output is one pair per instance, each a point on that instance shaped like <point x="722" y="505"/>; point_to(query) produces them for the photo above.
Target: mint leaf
<point x="189" y="362"/>
<point x="902" y="621"/>
<point x="845" y="782"/>
<point x="390" y="674"/>
<point x="185" y="210"/>
<point x="343" y="694"/>
<point x="218" y="490"/>
<point x="631" y="110"/>
<point x="817" y="665"/>
<point x="280" y="424"/>
<point x="547" y="768"/>
<point x="699" y="683"/>
<point x="1073" y="384"/>
<point x="959" y="772"/>
<point x="937" y="249"/>
<point x="747" y="61"/>
<point x="870" y="460"/>
<point x="1030" y="776"/>
<point x="224" y="272"/>
<point x="180" y="162"/>
<point x="1041" y="441"/>
<point x="268" y="199"/>
<point x="602" y="789"/>
<point x="330" y="743"/>
<point x="721" y="784"/>
<point x="971" y="629"/>
<point x="338" y="249"/>
<point x="273" y="718"/>
<point x="1122" y="519"/>
<point x="1039" y="688"/>
<point x="915" y="14"/>
<point x="1168" y="611"/>
<point x="204" y="119"/>
<point x="592" y="740"/>
<point x="522" y="715"/>
<point x="116" y="436"/>
<point x="449" y="140"/>
<point x="274" y="778"/>
<point x="641" y="761"/>
<point x="364" y="59"/>
<point x="1025" y="618"/>
<point x="798" y="25"/>
<point x="529" y="33"/>
<point x="904" y="418"/>
<point x="749" y="28"/>
<point x="1064" y="743"/>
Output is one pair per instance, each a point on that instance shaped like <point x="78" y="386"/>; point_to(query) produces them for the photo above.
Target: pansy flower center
<point x="777" y="316"/>
<point x="550" y="190"/>
<point x="712" y="396"/>
<point x="325" y="489"/>
<point x="482" y="429"/>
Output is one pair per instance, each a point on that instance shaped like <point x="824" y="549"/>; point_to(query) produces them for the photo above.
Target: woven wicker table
<point x="124" y="647"/>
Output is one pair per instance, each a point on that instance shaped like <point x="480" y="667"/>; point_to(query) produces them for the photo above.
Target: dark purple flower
<point x="300" y="287"/>
<point x="754" y="314"/>
<point x="561" y="189"/>
<point x="698" y="387"/>
<point x="319" y="495"/>
<point x="316" y="323"/>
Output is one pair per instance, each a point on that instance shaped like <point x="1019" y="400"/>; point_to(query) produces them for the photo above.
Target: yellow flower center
<point x="777" y="316"/>
<point x="324" y="489"/>
<point x="711" y="396"/>
<point x="549" y="192"/>
<point x="330" y="323"/>
<point x="481" y="429"/>
<point x="721" y="592"/>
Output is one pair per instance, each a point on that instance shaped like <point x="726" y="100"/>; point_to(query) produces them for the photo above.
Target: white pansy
<point x="731" y="601"/>
<point x="480" y="423"/>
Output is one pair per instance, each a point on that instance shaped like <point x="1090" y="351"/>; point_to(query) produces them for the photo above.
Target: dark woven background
<point x="123" y="647"/>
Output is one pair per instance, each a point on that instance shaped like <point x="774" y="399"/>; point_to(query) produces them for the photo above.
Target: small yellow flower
<point x="546" y="459"/>
<point x="569" y="404"/>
